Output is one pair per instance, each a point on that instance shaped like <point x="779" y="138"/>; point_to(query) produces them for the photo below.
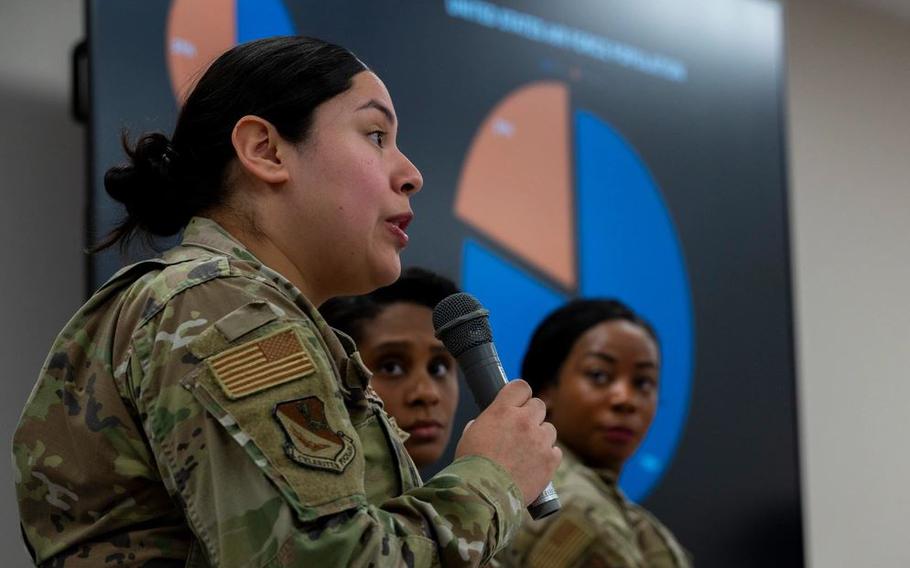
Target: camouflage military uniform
<point x="198" y="411"/>
<point x="596" y="527"/>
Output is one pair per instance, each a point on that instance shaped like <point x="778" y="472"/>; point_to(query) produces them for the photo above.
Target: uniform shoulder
<point x="643" y="520"/>
<point x="659" y="545"/>
<point x="588" y="530"/>
<point x="581" y="490"/>
<point x="573" y="479"/>
<point x="178" y="276"/>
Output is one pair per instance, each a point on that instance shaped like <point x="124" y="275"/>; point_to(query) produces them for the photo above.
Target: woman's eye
<point x="645" y="384"/>
<point x="378" y="137"/>
<point x="390" y="368"/>
<point x="439" y="368"/>
<point x="598" y="377"/>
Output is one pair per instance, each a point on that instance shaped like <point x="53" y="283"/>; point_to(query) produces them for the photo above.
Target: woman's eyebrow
<point x="600" y="355"/>
<point x="373" y="103"/>
<point x="393" y="344"/>
<point x="610" y="359"/>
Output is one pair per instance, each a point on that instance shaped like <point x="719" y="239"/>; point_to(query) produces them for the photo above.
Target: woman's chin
<point x="377" y="276"/>
<point x="387" y="273"/>
<point x="425" y="456"/>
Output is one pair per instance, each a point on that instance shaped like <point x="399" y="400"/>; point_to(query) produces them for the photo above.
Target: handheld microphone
<point x="462" y="325"/>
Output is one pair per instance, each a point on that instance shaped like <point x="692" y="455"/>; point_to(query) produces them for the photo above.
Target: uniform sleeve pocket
<point x="219" y="336"/>
<point x="275" y="393"/>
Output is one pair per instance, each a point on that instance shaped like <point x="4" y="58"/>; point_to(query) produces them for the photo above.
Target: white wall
<point x="41" y="211"/>
<point x="849" y="111"/>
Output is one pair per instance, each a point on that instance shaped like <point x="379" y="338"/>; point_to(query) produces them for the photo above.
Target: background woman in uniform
<point x="596" y="365"/>
<point x="413" y="373"/>
<point x="197" y="410"/>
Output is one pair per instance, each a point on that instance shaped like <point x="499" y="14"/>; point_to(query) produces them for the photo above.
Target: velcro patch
<point x="311" y="437"/>
<point x="563" y="543"/>
<point x="269" y="361"/>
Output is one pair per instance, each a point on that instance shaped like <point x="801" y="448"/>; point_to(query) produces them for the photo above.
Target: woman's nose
<point x="409" y="180"/>
<point x="622" y="396"/>
<point x="424" y="391"/>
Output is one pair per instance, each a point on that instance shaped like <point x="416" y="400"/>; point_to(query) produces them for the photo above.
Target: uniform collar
<point x="205" y="233"/>
<point x="604" y="475"/>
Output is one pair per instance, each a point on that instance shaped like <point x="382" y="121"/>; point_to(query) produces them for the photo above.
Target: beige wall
<point x="849" y="113"/>
<point x="41" y="213"/>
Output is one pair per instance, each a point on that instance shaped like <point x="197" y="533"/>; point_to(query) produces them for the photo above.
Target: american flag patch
<point x="267" y="362"/>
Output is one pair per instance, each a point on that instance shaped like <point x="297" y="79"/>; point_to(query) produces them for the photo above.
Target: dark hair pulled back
<point x="279" y="79"/>
<point x="415" y="286"/>
<point x="555" y="336"/>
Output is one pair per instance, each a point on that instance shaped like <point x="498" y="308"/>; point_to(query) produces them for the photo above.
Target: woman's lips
<point x="398" y="225"/>
<point x="618" y="434"/>
<point x="424" y="431"/>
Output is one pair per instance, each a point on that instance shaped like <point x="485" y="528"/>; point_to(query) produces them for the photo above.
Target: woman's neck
<point x="269" y="253"/>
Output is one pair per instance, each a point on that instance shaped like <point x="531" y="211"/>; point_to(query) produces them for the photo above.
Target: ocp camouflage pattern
<point x="129" y="453"/>
<point x="597" y="527"/>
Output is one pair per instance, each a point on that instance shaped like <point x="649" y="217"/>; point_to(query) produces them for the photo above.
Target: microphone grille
<point x="461" y="323"/>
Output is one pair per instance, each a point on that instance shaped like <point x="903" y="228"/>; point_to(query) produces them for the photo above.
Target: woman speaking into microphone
<point x="198" y="411"/>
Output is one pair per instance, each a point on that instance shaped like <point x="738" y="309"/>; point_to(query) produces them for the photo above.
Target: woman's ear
<point x="259" y="149"/>
<point x="546" y="395"/>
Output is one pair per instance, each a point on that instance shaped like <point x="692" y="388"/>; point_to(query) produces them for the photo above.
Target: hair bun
<point x="149" y="185"/>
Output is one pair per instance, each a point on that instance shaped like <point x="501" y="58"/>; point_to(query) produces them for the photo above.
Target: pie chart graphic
<point x="198" y="31"/>
<point x="562" y="206"/>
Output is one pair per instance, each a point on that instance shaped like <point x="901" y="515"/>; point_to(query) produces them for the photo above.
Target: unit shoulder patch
<point x="312" y="439"/>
